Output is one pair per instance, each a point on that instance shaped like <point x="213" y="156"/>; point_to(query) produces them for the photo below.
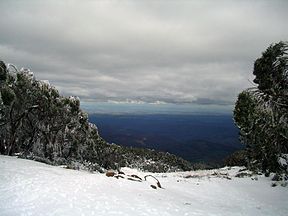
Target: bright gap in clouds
<point x="142" y="108"/>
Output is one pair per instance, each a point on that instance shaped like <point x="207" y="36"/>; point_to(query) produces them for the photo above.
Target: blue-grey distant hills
<point x="197" y="138"/>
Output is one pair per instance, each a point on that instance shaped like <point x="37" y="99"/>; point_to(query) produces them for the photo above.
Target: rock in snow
<point x="32" y="188"/>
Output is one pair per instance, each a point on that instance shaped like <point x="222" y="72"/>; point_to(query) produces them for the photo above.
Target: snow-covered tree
<point x="36" y="119"/>
<point x="261" y="113"/>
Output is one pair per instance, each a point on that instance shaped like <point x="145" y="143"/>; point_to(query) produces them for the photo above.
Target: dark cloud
<point x="171" y="51"/>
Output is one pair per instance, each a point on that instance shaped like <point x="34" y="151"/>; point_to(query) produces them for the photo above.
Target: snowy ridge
<point x="32" y="188"/>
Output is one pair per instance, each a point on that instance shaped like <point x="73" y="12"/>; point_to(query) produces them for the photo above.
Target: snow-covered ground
<point x="32" y="188"/>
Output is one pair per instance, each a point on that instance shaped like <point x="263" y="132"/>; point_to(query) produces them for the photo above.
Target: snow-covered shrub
<point x="85" y="165"/>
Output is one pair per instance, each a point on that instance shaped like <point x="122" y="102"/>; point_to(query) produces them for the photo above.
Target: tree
<point x="36" y="119"/>
<point x="261" y="113"/>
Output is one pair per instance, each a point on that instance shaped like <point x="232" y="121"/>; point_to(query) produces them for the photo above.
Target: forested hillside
<point x="38" y="123"/>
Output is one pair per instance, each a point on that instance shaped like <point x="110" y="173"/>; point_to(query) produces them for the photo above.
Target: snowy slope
<point x="32" y="188"/>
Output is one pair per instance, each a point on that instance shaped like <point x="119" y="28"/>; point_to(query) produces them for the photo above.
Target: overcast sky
<point x="198" y="52"/>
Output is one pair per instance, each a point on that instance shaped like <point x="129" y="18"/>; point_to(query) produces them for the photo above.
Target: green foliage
<point x="271" y="70"/>
<point x="238" y="158"/>
<point x="144" y="159"/>
<point x="7" y="96"/>
<point x="3" y="72"/>
<point x="244" y="111"/>
<point x="262" y="113"/>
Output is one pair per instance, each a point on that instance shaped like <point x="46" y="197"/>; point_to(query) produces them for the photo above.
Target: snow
<point x="27" y="71"/>
<point x="32" y="188"/>
<point x="283" y="160"/>
<point x="74" y="98"/>
<point x="46" y="82"/>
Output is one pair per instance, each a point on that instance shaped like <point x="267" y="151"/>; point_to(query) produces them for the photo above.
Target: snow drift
<point x="32" y="188"/>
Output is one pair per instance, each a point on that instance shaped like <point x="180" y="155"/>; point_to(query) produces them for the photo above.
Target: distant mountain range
<point x="197" y="138"/>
